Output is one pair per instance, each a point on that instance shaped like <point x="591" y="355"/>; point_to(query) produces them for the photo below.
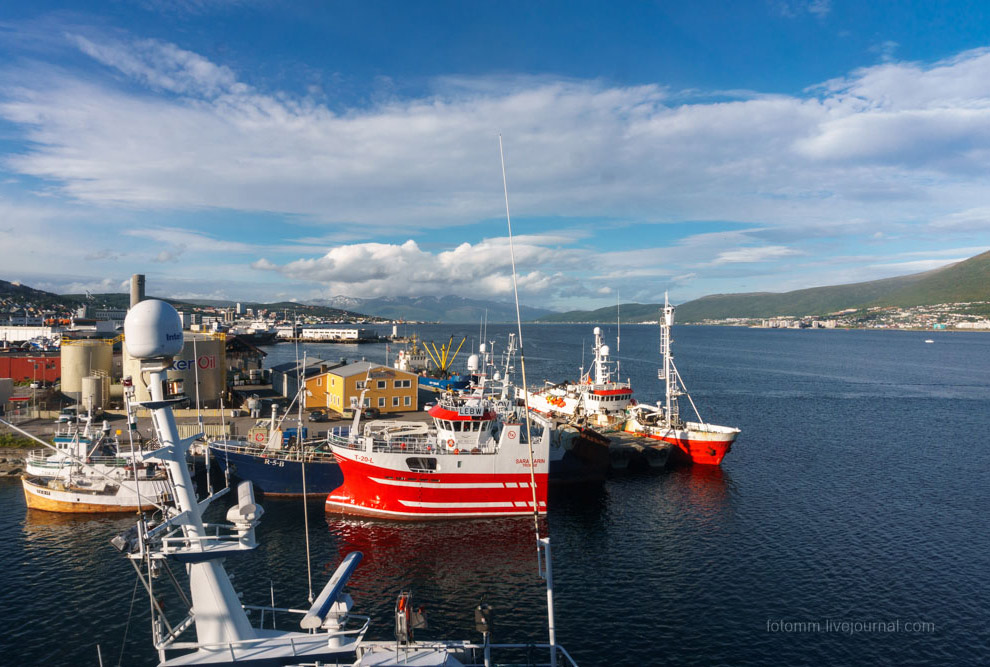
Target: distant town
<point x="963" y="315"/>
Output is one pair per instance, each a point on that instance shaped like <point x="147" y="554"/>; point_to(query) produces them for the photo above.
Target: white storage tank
<point x="81" y="359"/>
<point x="95" y="390"/>
<point x="203" y="358"/>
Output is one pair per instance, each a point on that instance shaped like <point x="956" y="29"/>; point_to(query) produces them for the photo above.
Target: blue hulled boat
<point x="279" y="472"/>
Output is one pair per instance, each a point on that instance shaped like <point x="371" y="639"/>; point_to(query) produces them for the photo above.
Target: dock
<point x="631" y="452"/>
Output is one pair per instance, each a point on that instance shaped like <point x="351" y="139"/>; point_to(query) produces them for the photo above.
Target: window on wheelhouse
<point x="421" y="463"/>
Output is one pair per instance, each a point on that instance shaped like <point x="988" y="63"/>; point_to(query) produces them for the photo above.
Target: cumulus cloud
<point x="482" y="269"/>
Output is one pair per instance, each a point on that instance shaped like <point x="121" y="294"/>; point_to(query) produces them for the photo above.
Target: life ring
<point x="259" y="437"/>
<point x="511" y="435"/>
<point x="451" y="443"/>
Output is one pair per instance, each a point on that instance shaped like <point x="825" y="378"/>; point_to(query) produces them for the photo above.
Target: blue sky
<point x="261" y="150"/>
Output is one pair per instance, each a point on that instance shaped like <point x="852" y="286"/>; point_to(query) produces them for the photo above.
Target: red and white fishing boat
<point x="472" y="463"/>
<point x="696" y="442"/>
<point x="599" y="400"/>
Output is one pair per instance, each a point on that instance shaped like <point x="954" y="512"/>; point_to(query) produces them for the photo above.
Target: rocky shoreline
<point x="12" y="462"/>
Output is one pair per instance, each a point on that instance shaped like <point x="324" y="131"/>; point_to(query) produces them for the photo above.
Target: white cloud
<point x="917" y="266"/>
<point x="481" y="270"/>
<point x="970" y="220"/>
<point x="200" y="138"/>
<point x="894" y="150"/>
<point x="754" y="254"/>
<point x="163" y="66"/>
<point x="189" y="240"/>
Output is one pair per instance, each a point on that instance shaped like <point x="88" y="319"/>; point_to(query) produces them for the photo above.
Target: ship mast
<point x="667" y="373"/>
<point x="542" y="543"/>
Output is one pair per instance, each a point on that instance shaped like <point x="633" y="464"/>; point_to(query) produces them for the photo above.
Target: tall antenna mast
<point x="302" y="466"/>
<point x="522" y="354"/>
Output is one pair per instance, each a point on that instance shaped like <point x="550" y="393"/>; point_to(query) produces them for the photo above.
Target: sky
<point x="263" y="151"/>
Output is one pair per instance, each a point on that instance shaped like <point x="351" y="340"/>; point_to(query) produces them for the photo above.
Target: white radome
<point x="152" y="329"/>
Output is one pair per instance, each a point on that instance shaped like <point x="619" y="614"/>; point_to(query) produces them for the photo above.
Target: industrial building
<point x="200" y="370"/>
<point x="340" y="333"/>
<point x="30" y="367"/>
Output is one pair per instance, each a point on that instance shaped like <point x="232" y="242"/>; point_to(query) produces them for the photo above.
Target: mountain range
<point x="965" y="281"/>
<point x="448" y="309"/>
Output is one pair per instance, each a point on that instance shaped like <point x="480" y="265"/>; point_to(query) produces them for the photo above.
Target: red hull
<point x="701" y="452"/>
<point x="370" y="490"/>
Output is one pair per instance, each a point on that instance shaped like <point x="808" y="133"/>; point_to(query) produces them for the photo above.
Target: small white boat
<point x="93" y="494"/>
<point x="929" y="340"/>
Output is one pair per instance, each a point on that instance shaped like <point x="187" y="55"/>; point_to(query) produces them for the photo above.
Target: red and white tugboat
<point x="696" y="442"/>
<point x="472" y="464"/>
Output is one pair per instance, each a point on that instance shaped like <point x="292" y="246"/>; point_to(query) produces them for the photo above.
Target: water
<point x="855" y="493"/>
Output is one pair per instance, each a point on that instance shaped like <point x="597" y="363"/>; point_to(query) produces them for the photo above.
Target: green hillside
<point x="811" y="301"/>
<point x="964" y="281"/>
<point x="630" y="312"/>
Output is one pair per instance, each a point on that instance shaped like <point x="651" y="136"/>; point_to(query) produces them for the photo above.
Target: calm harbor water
<point x="855" y="494"/>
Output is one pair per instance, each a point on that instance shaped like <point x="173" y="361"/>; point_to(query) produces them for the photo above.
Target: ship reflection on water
<point x="39" y="524"/>
<point x="706" y="489"/>
<point x="450" y="567"/>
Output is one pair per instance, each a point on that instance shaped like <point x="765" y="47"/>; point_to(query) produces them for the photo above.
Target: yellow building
<point x="389" y="389"/>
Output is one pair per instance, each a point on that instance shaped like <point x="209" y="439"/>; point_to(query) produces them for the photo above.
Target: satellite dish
<point x="152" y="330"/>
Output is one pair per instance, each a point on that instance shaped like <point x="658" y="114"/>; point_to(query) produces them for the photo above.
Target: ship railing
<point x="283" y="454"/>
<point x="340" y="437"/>
<point x="176" y="541"/>
<point x="169" y="643"/>
<point x="39" y="457"/>
<point x="412" y="444"/>
<point x="531" y="655"/>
